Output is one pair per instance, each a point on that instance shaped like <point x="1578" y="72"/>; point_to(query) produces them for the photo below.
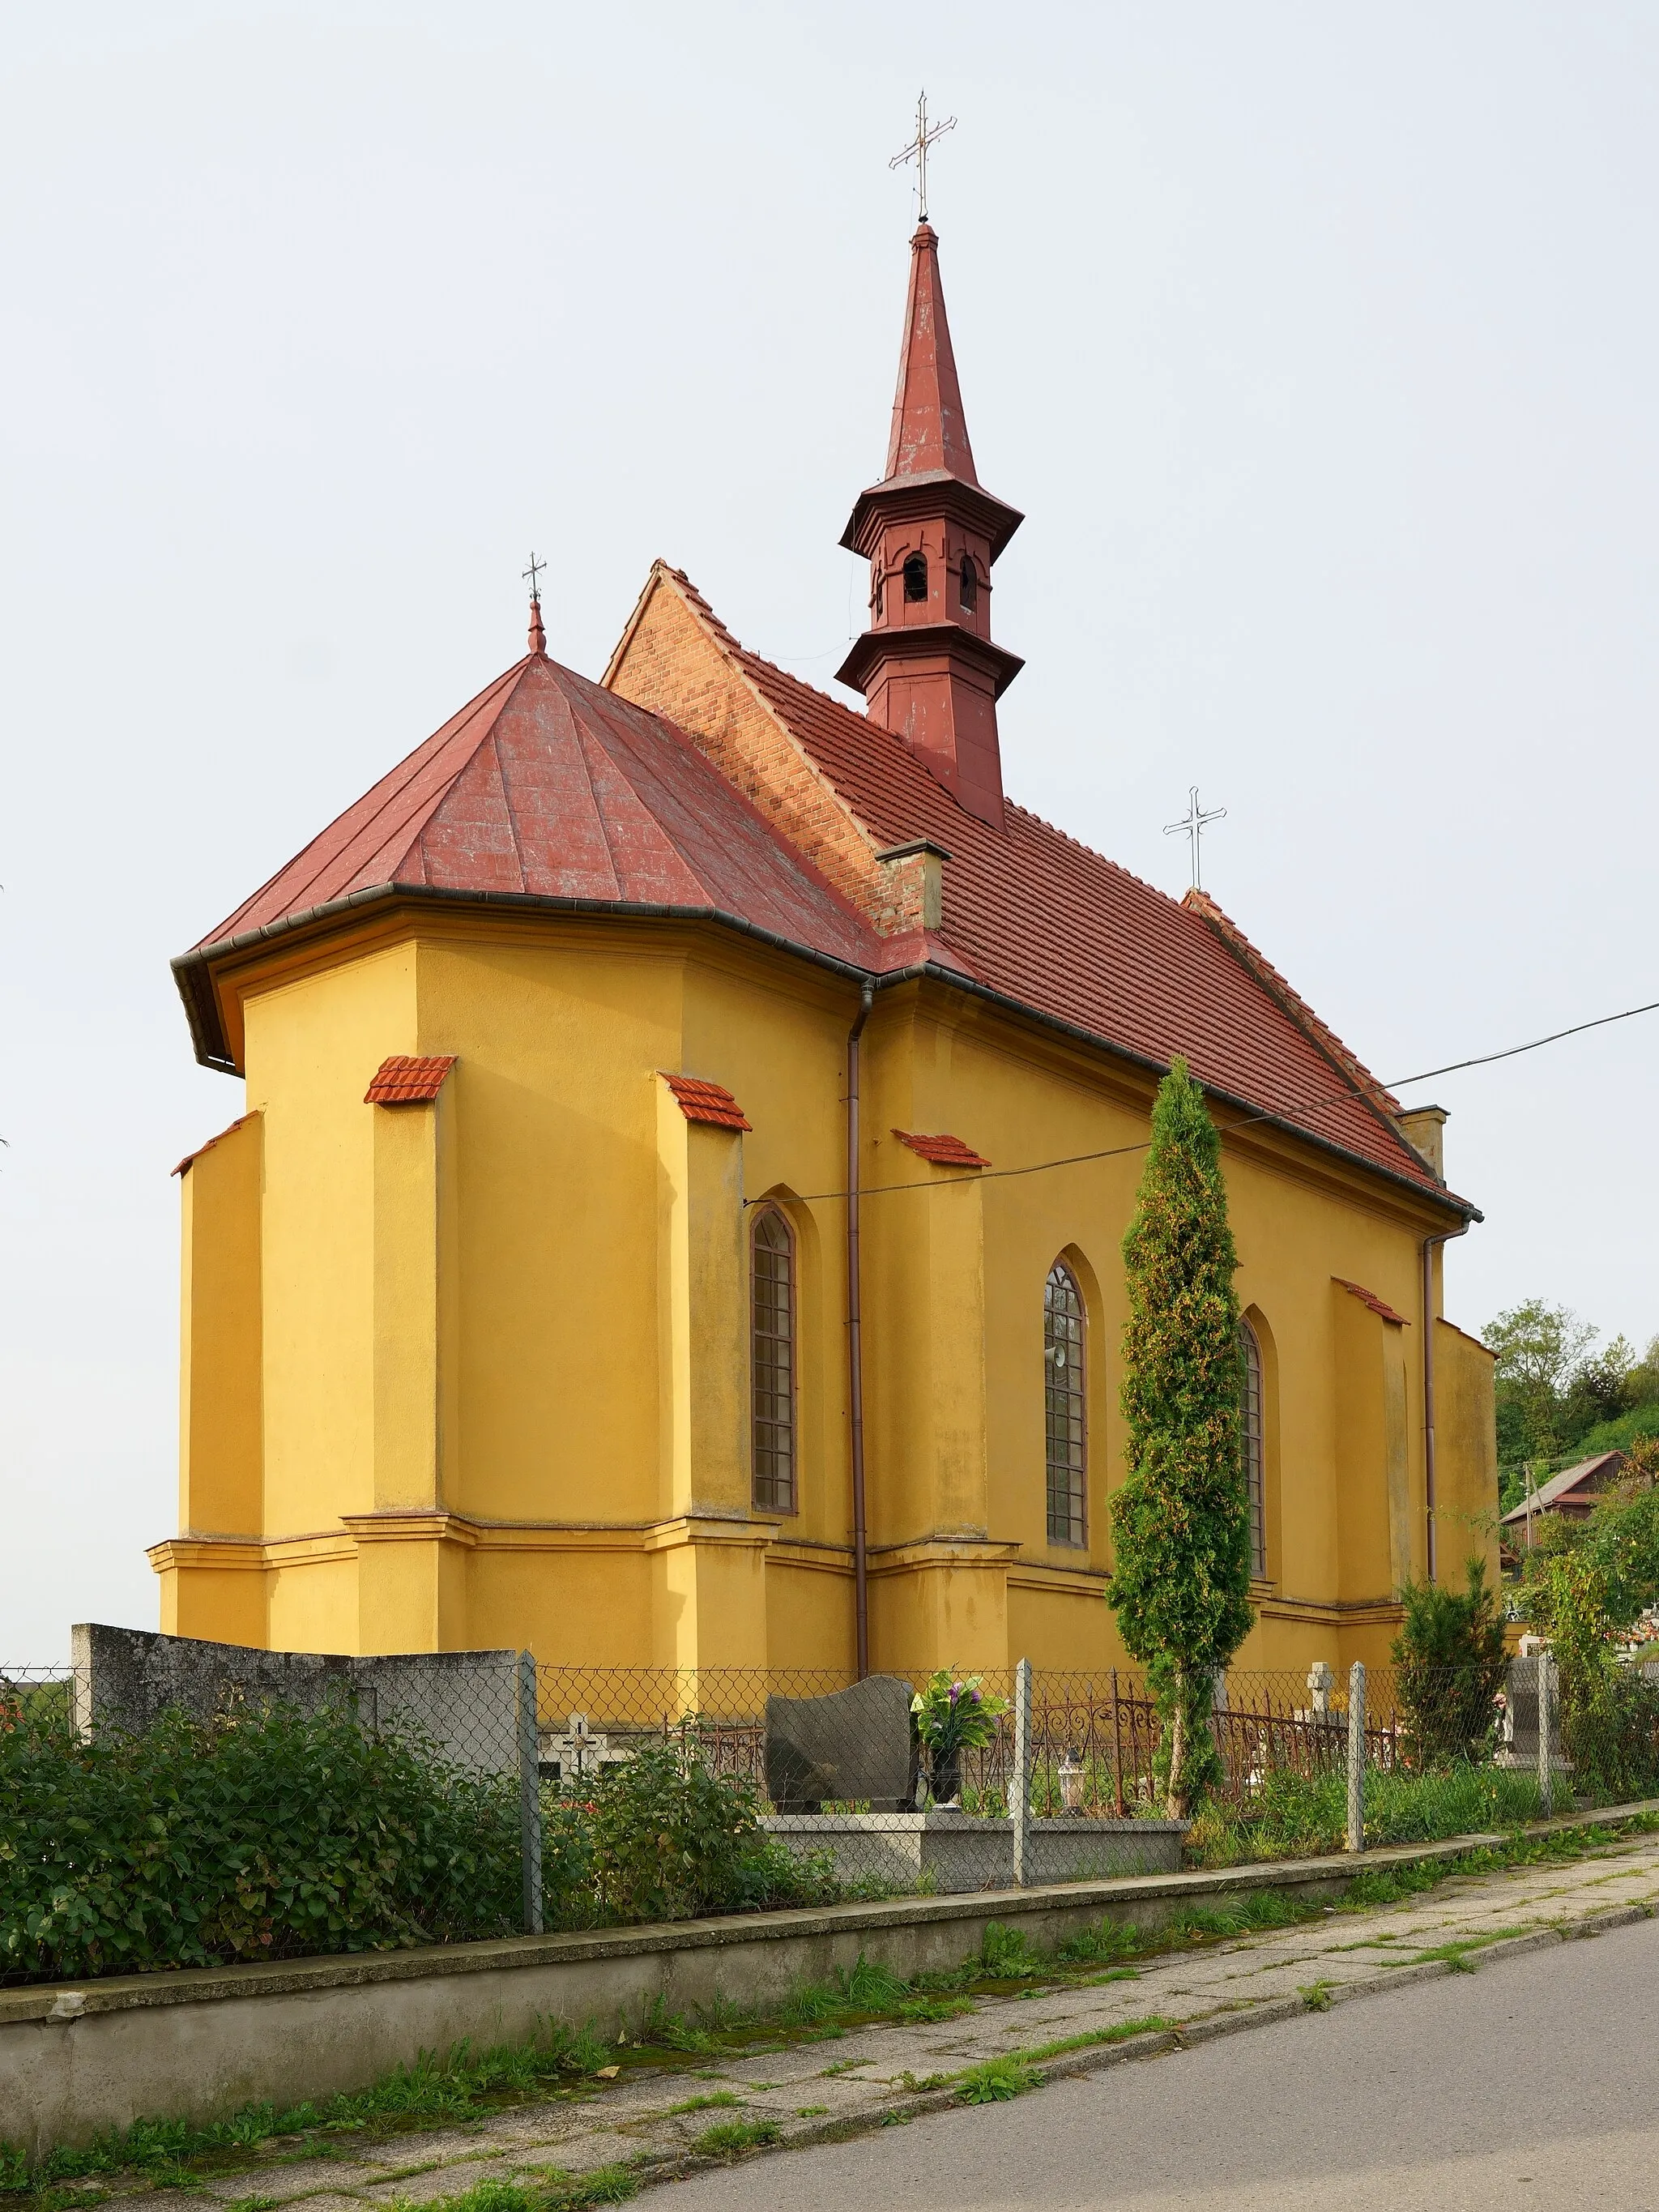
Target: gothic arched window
<point x="1064" y="1424"/>
<point x="915" y="577"/>
<point x="1253" y="1425"/>
<point x="968" y="584"/>
<point x="772" y="1359"/>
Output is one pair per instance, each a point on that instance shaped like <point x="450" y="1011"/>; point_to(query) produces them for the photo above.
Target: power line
<point x="1225" y="1129"/>
<point x="1486" y="1059"/>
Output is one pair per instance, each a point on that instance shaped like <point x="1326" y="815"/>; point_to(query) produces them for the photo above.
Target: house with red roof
<point x="689" y="1127"/>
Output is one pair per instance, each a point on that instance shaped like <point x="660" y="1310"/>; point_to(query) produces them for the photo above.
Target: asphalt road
<point x="1532" y="2083"/>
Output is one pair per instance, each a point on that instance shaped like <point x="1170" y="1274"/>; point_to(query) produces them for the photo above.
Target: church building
<point x="689" y="1130"/>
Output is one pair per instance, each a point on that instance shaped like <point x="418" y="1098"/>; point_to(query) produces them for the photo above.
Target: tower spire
<point x="930" y="430"/>
<point x="928" y="666"/>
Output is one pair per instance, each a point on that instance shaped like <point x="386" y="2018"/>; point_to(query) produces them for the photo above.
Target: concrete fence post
<point x="1019" y="1788"/>
<point x="1357" y="1756"/>
<point x="1546" y="1731"/>
<point x="530" y="1796"/>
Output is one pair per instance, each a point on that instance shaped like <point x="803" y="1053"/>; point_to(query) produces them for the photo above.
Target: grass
<point x="1122" y="2030"/>
<point x="734" y="2136"/>
<point x="556" y="2192"/>
<point x="996" y="2080"/>
<point x="1456" y="1953"/>
<point x="1304" y="1816"/>
<point x="720" y="2097"/>
<point x="466" y="2087"/>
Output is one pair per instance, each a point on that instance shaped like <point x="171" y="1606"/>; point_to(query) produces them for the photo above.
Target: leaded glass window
<point x="1067" y="1432"/>
<point x="1249" y="1355"/>
<point x="772" y="1359"/>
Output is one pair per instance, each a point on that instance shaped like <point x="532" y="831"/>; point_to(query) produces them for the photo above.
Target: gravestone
<point x="852" y="1748"/>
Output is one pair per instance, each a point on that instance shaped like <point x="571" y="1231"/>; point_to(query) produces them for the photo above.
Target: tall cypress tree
<point x="1181" y="1523"/>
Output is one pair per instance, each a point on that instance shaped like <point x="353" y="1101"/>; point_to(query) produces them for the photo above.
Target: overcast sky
<point x="1317" y="343"/>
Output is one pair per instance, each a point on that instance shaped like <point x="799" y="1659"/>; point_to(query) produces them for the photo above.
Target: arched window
<point x="1253" y="1426"/>
<point x="915" y="577"/>
<point x="772" y="1359"/>
<point x="968" y="584"/>
<point x="1067" y="1435"/>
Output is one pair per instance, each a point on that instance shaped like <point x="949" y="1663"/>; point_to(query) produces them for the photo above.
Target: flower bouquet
<point x="949" y="1719"/>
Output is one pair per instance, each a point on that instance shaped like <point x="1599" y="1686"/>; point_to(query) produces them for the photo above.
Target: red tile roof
<point x="707" y="1102"/>
<point x="1370" y="1299"/>
<point x="240" y="1122"/>
<point x="549" y="788"/>
<point x="944" y="1152"/>
<point x="1041" y="920"/>
<point x="403" y="1081"/>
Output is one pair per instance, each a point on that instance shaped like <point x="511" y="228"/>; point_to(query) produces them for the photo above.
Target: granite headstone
<point x="852" y="1748"/>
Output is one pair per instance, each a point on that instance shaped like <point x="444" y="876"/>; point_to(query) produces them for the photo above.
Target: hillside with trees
<point x="1559" y="1400"/>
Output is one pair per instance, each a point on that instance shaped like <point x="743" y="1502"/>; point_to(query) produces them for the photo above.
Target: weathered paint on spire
<point x="930" y="431"/>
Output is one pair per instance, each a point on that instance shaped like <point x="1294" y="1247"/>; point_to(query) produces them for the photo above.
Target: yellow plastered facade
<point x="476" y="1373"/>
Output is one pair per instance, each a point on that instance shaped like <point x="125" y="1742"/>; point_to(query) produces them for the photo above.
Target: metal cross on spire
<point x="533" y="572"/>
<point x="916" y="151"/>
<point x="1191" y="826"/>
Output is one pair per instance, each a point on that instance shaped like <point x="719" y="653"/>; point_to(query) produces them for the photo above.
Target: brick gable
<point x="677" y="659"/>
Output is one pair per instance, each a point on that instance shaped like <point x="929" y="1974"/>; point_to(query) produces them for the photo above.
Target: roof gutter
<point x="190" y="973"/>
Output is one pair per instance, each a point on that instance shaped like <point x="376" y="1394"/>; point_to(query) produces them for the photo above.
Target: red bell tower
<point x="926" y="665"/>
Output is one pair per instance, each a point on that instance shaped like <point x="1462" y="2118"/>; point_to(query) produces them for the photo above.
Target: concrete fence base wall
<point x="78" y="2059"/>
<point x="956" y="1851"/>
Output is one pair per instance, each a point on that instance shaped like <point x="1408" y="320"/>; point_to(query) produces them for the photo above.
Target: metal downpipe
<point x="855" y="1339"/>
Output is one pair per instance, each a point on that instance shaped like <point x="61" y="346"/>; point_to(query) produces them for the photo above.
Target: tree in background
<point x="1182" y="1521"/>
<point x="1586" y="1585"/>
<point x="1555" y="1400"/>
<point x="1538" y="1348"/>
<point x="1450" y="1663"/>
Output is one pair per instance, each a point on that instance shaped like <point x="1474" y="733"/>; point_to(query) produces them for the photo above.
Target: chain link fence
<point x="455" y="1795"/>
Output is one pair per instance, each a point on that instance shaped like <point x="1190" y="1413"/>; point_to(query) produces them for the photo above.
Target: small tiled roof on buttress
<point x="405" y="1081"/>
<point x="1041" y="919"/>
<point x="549" y="787"/>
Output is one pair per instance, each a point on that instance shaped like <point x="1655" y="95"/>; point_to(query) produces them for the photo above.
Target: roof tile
<point x="1378" y="1306"/>
<point x="404" y="1081"/>
<point x="707" y="1102"/>
<point x="944" y="1152"/>
<point x="190" y="1158"/>
<point x="1041" y="919"/>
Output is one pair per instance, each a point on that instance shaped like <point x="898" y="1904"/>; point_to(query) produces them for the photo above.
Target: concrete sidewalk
<point x="806" y="2090"/>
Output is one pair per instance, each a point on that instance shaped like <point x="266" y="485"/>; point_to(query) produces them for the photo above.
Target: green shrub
<point x="1450" y="1664"/>
<point x="266" y="1833"/>
<point x="667" y="1838"/>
